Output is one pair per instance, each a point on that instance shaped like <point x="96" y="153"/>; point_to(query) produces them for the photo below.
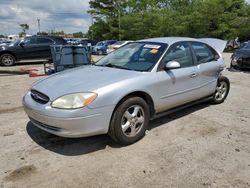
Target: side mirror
<point x="172" y="65"/>
<point x="216" y="57"/>
<point x="21" y="44"/>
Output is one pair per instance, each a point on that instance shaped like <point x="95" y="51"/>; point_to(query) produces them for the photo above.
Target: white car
<point x="117" y="45"/>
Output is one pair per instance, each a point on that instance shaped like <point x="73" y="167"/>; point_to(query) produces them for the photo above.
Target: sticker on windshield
<point x="152" y="46"/>
<point x="153" y="51"/>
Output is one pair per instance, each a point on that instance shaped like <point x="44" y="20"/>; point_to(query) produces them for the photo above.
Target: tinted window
<point x="181" y="53"/>
<point x="44" y="41"/>
<point x="202" y="52"/>
<point x="28" y="41"/>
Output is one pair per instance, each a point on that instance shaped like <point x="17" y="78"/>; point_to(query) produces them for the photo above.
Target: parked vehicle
<point x="241" y="57"/>
<point x="4" y="42"/>
<point x="34" y="47"/>
<point x="125" y="89"/>
<point x="233" y="44"/>
<point x="89" y="43"/>
<point x="101" y="47"/>
<point x="117" y="45"/>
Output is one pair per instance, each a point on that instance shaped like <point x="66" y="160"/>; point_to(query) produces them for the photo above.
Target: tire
<point x="129" y="121"/>
<point x="7" y="60"/>
<point x="234" y="66"/>
<point x="231" y="65"/>
<point x="99" y="52"/>
<point x="222" y="90"/>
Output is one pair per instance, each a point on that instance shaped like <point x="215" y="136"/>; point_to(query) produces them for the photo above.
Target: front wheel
<point x="222" y="90"/>
<point x="129" y="121"/>
<point x="7" y="60"/>
<point x="99" y="52"/>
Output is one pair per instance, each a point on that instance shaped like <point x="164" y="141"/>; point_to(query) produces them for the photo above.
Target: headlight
<point x="74" y="100"/>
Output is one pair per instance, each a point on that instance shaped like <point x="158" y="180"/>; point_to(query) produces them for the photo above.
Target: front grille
<point x="39" y="97"/>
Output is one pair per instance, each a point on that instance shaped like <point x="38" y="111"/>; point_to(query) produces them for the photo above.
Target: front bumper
<point x="68" y="123"/>
<point x="240" y="63"/>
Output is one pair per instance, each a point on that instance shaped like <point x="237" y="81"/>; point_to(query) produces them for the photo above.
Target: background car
<point x="125" y="89"/>
<point x="34" y="47"/>
<point x="101" y="47"/>
<point x="241" y="57"/>
<point x="117" y="45"/>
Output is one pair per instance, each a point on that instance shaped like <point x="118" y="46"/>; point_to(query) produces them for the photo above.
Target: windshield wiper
<point x="114" y="66"/>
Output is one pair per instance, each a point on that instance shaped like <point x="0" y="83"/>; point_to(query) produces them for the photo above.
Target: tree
<point x="78" y="35"/>
<point x="24" y="28"/>
<point x="155" y="18"/>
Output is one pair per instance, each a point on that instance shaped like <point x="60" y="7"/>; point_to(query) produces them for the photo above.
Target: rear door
<point x="43" y="44"/>
<point x="208" y="66"/>
<point x="178" y="86"/>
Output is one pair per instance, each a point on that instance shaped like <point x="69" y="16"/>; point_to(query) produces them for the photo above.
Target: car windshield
<point x="246" y="46"/>
<point x="138" y="56"/>
<point x="15" y="43"/>
<point x="99" y="43"/>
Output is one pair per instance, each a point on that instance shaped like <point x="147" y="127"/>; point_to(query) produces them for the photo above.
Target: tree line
<point x="140" y="19"/>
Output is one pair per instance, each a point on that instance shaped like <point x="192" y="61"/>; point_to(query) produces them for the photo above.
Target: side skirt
<point x="170" y="111"/>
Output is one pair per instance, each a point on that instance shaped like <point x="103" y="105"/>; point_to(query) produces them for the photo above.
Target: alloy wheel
<point x="7" y="60"/>
<point x="132" y="120"/>
<point x="221" y="90"/>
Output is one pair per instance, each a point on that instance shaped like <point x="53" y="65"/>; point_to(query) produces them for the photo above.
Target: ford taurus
<point x="125" y="89"/>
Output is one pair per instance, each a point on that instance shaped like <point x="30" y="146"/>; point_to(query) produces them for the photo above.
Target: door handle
<point x="194" y="74"/>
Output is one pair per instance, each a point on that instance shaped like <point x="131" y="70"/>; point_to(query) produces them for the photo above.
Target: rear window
<point x="59" y="40"/>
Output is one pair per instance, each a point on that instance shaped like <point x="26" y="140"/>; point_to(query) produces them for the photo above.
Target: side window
<point x="29" y="41"/>
<point x="181" y="53"/>
<point x="44" y="41"/>
<point x="203" y="52"/>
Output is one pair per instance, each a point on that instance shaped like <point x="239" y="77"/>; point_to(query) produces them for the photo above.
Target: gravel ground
<point x="202" y="146"/>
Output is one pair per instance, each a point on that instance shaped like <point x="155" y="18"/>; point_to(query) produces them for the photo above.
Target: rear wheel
<point x="222" y="90"/>
<point x="7" y="59"/>
<point x="129" y="121"/>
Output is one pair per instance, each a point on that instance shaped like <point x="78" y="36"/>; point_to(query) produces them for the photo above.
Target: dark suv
<point x="34" y="47"/>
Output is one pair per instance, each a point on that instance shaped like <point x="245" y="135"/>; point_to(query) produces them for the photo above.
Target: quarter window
<point x="203" y="52"/>
<point x="181" y="53"/>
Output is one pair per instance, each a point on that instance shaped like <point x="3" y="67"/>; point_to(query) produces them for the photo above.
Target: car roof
<point x="45" y="36"/>
<point x="169" y="40"/>
<point x="217" y="44"/>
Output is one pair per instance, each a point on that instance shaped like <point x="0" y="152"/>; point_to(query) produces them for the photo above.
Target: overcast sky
<point x="68" y="15"/>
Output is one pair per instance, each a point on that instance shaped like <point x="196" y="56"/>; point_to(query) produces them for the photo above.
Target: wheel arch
<point x="9" y="52"/>
<point x="145" y="96"/>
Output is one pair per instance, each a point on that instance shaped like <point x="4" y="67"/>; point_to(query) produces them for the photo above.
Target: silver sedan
<point x="125" y="89"/>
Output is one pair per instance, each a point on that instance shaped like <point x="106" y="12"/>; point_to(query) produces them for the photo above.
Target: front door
<point x="29" y="49"/>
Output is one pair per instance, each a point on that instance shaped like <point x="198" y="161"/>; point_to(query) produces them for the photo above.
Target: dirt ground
<point x="202" y="146"/>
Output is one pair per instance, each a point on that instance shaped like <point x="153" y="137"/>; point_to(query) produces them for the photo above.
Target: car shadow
<point x="30" y="63"/>
<point x="244" y="70"/>
<point x="80" y="146"/>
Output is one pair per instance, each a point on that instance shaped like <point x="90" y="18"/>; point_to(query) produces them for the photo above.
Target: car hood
<point x="87" y="78"/>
